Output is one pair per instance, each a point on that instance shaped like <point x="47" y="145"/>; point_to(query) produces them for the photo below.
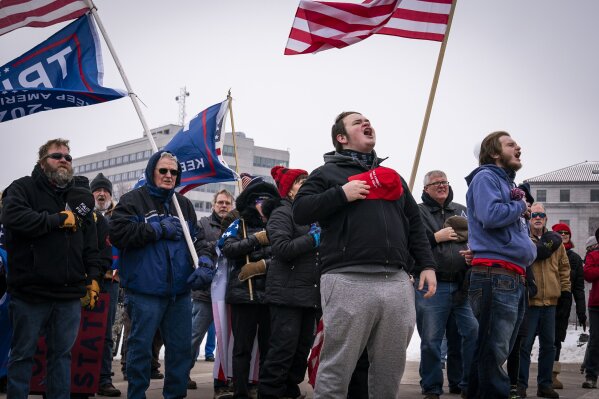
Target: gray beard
<point x="60" y="177"/>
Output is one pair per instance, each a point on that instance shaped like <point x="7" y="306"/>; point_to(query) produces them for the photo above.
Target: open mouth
<point x="368" y="132"/>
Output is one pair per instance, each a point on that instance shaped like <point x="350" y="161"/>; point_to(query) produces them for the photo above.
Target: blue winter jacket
<point x="496" y="228"/>
<point x="147" y="265"/>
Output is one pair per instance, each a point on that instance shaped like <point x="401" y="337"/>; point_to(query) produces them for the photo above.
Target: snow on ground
<point x="571" y="351"/>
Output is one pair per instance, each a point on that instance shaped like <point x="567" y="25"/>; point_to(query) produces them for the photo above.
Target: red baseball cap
<point x="384" y="183"/>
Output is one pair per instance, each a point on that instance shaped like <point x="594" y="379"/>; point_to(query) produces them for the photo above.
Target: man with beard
<point x="53" y="254"/>
<point x="101" y="189"/>
<point x="502" y="250"/>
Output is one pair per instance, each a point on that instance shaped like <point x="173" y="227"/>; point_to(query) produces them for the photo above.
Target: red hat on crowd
<point x="285" y="177"/>
<point x="561" y="227"/>
<point x="384" y="183"/>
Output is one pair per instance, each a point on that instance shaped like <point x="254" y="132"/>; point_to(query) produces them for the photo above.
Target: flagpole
<point x="250" y="286"/>
<point x="431" y="97"/>
<point x="133" y="97"/>
<point x="234" y="138"/>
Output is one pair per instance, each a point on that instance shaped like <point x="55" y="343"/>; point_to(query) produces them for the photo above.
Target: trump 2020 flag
<point x="198" y="148"/>
<point x="63" y="71"/>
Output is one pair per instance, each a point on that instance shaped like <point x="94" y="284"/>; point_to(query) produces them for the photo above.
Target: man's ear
<point x="341" y="138"/>
<point x="496" y="156"/>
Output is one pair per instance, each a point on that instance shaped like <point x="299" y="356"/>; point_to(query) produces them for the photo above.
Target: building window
<point x="594" y="195"/>
<point x="112" y="161"/>
<point x="564" y="195"/>
<point x="541" y="195"/>
<point x="105" y="162"/>
<point x="565" y="221"/>
<point x="228" y="150"/>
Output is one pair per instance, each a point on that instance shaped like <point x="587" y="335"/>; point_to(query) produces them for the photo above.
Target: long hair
<point x="490" y="147"/>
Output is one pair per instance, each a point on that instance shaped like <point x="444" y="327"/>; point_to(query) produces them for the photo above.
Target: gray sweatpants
<point x="361" y="310"/>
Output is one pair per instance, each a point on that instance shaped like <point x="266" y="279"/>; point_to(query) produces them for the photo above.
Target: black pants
<point x="591" y="359"/>
<point x="246" y="320"/>
<point x="292" y="334"/>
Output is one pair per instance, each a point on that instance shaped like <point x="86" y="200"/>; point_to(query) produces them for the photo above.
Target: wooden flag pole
<point x="431" y="97"/>
<point x="234" y="138"/>
<point x="247" y="257"/>
<point x="133" y="98"/>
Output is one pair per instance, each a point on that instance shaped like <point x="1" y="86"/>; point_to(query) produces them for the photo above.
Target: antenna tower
<point x="183" y="93"/>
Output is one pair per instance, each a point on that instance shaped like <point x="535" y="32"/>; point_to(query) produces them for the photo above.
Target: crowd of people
<point x="346" y="245"/>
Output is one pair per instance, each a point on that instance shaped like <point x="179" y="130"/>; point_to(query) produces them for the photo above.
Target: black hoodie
<point x="377" y="234"/>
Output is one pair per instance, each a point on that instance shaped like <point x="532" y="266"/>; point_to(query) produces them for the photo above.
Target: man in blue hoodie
<point x="502" y="250"/>
<point x="155" y="265"/>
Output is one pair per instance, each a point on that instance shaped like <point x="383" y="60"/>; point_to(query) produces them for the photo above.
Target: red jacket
<point x="591" y="274"/>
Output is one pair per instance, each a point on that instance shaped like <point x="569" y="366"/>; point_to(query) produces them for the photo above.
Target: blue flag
<point x="63" y="71"/>
<point x="198" y="147"/>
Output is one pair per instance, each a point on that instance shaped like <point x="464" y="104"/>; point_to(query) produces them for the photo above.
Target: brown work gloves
<point x="262" y="238"/>
<point x="68" y="220"/>
<point x="252" y="269"/>
<point x="91" y="297"/>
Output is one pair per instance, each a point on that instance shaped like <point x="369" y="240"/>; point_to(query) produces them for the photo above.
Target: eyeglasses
<point x="164" y="171"/>
<point x="538" y="215"/>
<point x="58" y="156"/>
<point x="438" y="184"/>
<point x="223" y="202"/>
<point x="564" y="232"/>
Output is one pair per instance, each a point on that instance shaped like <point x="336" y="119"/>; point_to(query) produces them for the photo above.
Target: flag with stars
<point x="64" y="71"/>
<point x="231" y="231"/>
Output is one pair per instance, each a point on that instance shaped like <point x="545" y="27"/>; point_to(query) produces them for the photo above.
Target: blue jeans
<point x="201" y="318"/>
<point x="112" y="289"/>
<point x="432" y="315"/>
<point x="497" y="302"/>
<point x="541" y="320"/>
<point x="59" y="322"/>
<point x="173" y="317"/>
<point x="210" y="341"/>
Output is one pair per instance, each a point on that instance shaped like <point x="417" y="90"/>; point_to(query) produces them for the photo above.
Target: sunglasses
<point x="58" y="156"/>
<point x="563" y="233"/>
<point x="164" y="171"/>
<point x="538" y="215"/>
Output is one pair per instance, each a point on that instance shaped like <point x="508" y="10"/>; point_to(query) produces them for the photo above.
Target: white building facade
<point x="571" y="196"/>
<point x="124" y="163"/>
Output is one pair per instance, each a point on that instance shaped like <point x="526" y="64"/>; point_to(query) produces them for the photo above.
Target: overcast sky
<point x="528" y="67"/>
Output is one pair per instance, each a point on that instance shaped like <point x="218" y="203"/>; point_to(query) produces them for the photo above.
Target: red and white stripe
<point x="321" y="25"/>
<point x="38" y="13"/>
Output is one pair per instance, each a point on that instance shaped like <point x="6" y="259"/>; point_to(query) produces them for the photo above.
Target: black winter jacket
<point x="46" y="262"/>
<point x="363" y="232"/>
<point x="240" y="250"/>
<point x="451" y="266"/>
<point x="210" y="227"/>
<point x="293" y="277"/>
<point x="563" y="308"/>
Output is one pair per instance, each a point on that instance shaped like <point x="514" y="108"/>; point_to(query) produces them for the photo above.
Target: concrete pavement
<point x="410" y="388"/>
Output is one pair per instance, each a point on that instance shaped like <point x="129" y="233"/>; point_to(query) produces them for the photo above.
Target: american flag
<point x="314" y="358"/>
<point x="38" y="13"/>
<point x="320" y="25"/>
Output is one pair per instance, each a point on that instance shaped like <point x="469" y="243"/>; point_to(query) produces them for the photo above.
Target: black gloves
<point x="546" y="246"/>
<point x="80" y="201"/>
<point x="564" y="303"/>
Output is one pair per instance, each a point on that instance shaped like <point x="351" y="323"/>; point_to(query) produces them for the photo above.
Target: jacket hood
<point x="429" y="201"/>
<point x="506" y="174"/>
<point x="335" y="157"/>
<point x="154" y="190"/>
<point x="254" y="191"/>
